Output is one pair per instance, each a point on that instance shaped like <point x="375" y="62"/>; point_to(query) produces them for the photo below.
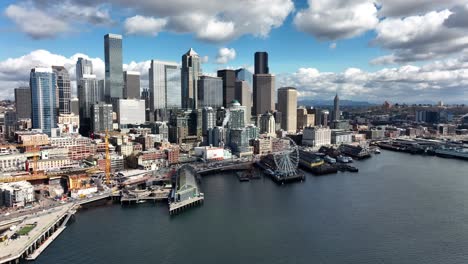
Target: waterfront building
<point x="113" y="67"/>
<point x="23" y="102"/>
<point x="244" y="96"/>
<point x="191" y="70"/>
<point x="44" y="99"/>
<point x="17" y="194"/>
<point x="339" y="137"/>
<point x="130" y="111"/>
<point x="261" y="63"/>
<point x="101" y="117"/>
<point x="287" y="105"/>
<point x="243" y="74"/>
<point x="63" y="89"/>
<point x="262" y="146"/>
<point x="229" y="82"/>
<point x="267" y="124"/>
<point x="252" y="132"/>
<point x="316" y="136"/>
<point x="238" y="140"/>
<point x="336" y="109"/>
<point x="263" y="93"/>
<point x="88" y="95"/>
<point x="210" y="91"/>
<point x="164" y="88"/>
<point x="131" y="85"/>
<point x="217" y="136"/>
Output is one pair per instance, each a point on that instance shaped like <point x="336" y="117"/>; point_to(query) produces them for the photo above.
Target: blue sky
<point x="389" y="50"/>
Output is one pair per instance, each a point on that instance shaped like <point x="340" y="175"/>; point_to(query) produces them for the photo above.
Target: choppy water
<point x="398" y="209"/>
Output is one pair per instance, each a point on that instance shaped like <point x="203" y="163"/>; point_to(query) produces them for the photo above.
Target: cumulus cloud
<point x="458" y="18"/>
<point x="415" y="38"/>
<point x="144" y="25"/>
<point x="331" y="20"/>
<point x="404" y="8"/>
<point x="43" y="25"/>
<point x="447" y="80"/>
<point x="225" y="55"/>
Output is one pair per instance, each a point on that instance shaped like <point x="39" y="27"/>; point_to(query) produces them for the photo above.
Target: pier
<point x="34" y="233"/>
<point x="186" y="192"/>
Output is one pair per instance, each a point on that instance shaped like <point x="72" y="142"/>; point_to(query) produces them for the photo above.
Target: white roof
<point x="132" y="73"/>
<point x="43" y="69"/>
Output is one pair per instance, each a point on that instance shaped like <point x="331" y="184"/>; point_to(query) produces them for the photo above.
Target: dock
<point x="177" y="207"/>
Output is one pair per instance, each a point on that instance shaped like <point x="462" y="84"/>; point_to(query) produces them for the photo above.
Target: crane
<point x="108" y="160"/>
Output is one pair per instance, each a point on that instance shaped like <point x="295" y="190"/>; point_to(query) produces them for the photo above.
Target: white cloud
<point x="204" y="59"/>
<point x="446" y="80"/>
<point x="35" y="23"/>
<point x="225" y="55"/>
<point x="417" y="38"/>
<point x="144" y="25"/>
<point x="332" y="46"/>
<point x="404" y="8"/>
<point x="331" y="20"/>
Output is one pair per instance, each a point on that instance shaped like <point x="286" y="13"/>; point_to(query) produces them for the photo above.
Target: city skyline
<point x="318" y="59"/>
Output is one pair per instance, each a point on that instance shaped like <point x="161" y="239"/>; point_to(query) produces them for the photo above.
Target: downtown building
<point x="101" y="117"/>
<point x="43" y="99"/>
<point x="63" y="89"/>
<point x="23" y="102"/>
<point x="244" y="96"/>
<point x="191" y="71"/>
<point x="113" y="67"/>
<point x="287" y="105"/>
<point x="164" y="89"/>
<point x="130" y="112"/>
<point x="229" y="85"/>
<point x="131" y="85"/>
<point x="210" y="91"/>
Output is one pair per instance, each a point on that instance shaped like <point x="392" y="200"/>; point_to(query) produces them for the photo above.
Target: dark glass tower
<point x="113" y="66"/>
<point x="23" y="102"/>
<point x="336" y="108"/>
<point x="64" y="90"/>
<point x="229" y="85"/>
<point x="261" y="62"/>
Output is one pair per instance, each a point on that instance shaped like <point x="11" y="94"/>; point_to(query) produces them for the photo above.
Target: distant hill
<point x="322" y="103"/>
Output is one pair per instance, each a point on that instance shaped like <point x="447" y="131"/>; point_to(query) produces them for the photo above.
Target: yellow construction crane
<point x="108" y="160"/>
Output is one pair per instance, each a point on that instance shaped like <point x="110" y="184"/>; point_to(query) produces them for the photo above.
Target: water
<point x="398" y="209"/>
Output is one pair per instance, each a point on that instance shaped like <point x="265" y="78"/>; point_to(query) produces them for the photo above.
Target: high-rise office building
<point x="191" y="70"/>
<point x="336" y="108"/>
<point x="287" y="105"/>
<point x="263" y="93"/>
<point x="210" y="91"/>
<point x="236" y="115"/>
<point x="43" y="99"/>
<point x="64" y="89"/>
<point x="243" y="74"/>
<point x="101" y="117"/>
<point x="113" y="66"/>
<point x="267" y="124"/>
<point x="229" y="84"/>
<point x="209" y="120"/>
<point x="164" y="87"/>
<point x="88" y="94"/>
<point x="83" y="66"/>
<point x="101" y="91"/>
<point x="244" y="96"/>
<point x="261" y="62"/>
<point x="23" y="102"/>
<point x="131" y="85"/>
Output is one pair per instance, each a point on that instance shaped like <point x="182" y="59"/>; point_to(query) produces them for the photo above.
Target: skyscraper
<point x="101" y="117"/>
<point x="75" y="106"/>
<point x="83" y="66"/>
<point x="131" y="85"/>
<point x="236" y="115"/>
<point x="64" y="90"/>
<point x="88" y="94"/>
<point x="243" y="74"/>
<point x="287" y="105"/>
<point x="113" y="66"/>
<point x="263" y="93"/>
<point x="164" y="87"/>
<point x="336" y="108"/>
<point x="209" y="120"/>
<point x="229" y="83"/>
<point x="210" y="91"/>
<point x="23" y="102"/>
<point x="244" y="96"/>
<point x="261" y="62"/>
<point x="191" y="70"/>
<point x="42" y="82"/>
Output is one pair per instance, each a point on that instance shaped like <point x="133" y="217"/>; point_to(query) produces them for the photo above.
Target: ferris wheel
<point x="286" y="157"/>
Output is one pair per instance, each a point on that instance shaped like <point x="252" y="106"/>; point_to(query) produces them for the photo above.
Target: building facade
<point x="287" y="105"/>
<point x="113" y="67"/>
<point x="263" y="93"/>
<point x="44" y="99"/>
<point x="191" y="70"/>
<point x="23" y="102"/>
<point x="261" y="63"/>
<point x="316" y="136"/>
<point x="210" y="91"/>
<point x="244" y="96"/>
<point x="64" y="89"/>
<point x="101" y="119"/>
<point x="131" y="85"/>
<point x="229" y="83"/>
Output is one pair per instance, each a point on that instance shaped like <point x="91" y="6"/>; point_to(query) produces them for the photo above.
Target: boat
<point x="377" y="151"/>
<point x="459" y="153"/>
<point x="343" y="159"/>
<point x="141" y="201"/>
